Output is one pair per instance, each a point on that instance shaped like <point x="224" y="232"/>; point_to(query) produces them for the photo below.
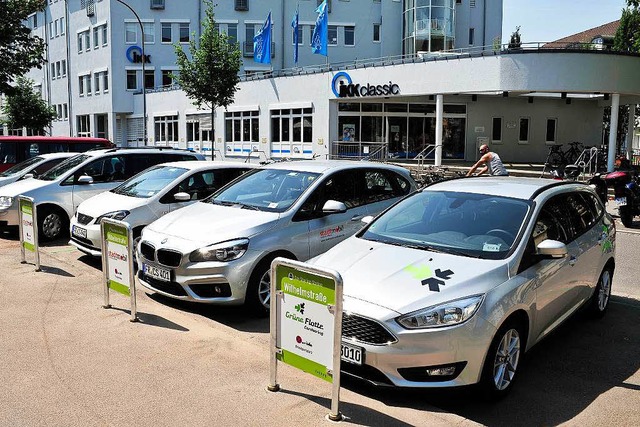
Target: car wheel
<point x="502" y="361"/>
<point x="258" y="297"/>
<point x="600" y="299"/>
<point x="626" y="216"/>
<point x="51" y="224"/>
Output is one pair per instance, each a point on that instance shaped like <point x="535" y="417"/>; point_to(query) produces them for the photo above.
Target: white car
<point x="59" y="191"/>
<point x="32" y="167"/>
<point x="219" y="251"/>
<point x="148" y="196"/>
<point x="453" y="284"/>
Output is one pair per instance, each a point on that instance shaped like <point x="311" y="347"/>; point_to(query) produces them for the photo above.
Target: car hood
<point x="403" y="279"/>
<point x="109" y="202"/>
<point x="202" y="224"/>
<point x="23" y="187"/>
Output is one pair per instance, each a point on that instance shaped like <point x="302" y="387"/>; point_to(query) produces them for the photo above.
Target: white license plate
<point x="351" y="353"/>
<point x="621" y="201"/>
<point x="79" y="232"/>
<point x="156" y="272"/>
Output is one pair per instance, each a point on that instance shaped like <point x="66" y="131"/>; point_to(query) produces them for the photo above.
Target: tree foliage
<point x="627" y="38"/>
<point x="19" y="49"/>
<point x="26" y="108"/>
<point x="210" y="75"/>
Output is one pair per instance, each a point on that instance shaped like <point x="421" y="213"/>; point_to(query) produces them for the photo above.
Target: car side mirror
<point x="552" y="248"/>
<point x="182" y="197"/>
<point x="28" y="175"/>
<point x="85" y="179"/>
<point x="333" y="206"/>
<point x="367" y="219"/>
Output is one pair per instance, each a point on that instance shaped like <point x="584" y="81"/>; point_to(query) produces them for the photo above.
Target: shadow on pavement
<point x="559" y="378"/>
<point x="91" y="261"/>
<point x="153" y="320"/>
<point x="56" y="271"/>
<point x="235" y="317"/>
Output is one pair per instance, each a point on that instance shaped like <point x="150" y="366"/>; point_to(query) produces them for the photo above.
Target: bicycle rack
<point x="588" y="161"/>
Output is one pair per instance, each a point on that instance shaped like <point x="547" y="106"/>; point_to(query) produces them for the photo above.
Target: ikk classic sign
<point x="306" y="323"/>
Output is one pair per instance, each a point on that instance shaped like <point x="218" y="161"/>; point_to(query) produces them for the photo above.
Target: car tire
<point x="599" y="302"/>
<point x="258" y="297"/>
<point x="626" y="216"/>
<point x="52" y="223"/>
<point x="502" y="361"/>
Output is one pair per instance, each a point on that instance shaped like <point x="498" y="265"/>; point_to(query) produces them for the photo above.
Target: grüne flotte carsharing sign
<point x="28" y="229"/>
<point x="306" y="323"/>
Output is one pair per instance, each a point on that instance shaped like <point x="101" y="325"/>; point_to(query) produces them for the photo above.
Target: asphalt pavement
<point x="66" y="361"/>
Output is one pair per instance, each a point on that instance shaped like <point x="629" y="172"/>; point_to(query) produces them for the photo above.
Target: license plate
<point x="79" y="232"/>
<point x="156" y="272"/>
<point x="351" y="353"/>
<point x="621" y="201"/>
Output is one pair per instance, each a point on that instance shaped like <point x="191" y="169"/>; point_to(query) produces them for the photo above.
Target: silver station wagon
<point x="219" y="251"/>
<point x="453" y="284"/>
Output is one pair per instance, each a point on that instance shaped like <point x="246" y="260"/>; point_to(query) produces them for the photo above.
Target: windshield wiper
<point x="221" y="202"/>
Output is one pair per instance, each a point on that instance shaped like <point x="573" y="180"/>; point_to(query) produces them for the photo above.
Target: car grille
<point x="169" y="258"/>
<point x="84" y="219"/>
<point x="85" y="242"/>
<point x="365" y="372"/>
<point x="171" y="288"/>
<point x="148" y="251"/>
<point x="211" y="290"/>
<point x="365" y="330"/>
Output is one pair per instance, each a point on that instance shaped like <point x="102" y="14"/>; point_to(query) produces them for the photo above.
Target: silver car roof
<point x="208" y="164"/>
<point x="515" y="187"/>
<point x="324" y="166"/>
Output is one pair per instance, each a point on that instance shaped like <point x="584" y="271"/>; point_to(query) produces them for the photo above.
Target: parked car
<point x="219" y="251"/>
<point x="32" y="167"/>
<point x="453" y="284"/>
<point x="147" y="196"/>
<point x="60" y="190"/>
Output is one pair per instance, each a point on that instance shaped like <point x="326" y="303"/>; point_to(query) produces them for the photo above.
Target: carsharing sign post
<point x="117" y="261"/>
<point x="28" y="229"/>
<point x="306" y="323"/>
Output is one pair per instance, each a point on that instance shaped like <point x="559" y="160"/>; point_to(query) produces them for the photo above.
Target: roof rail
<point x="146" y="147"/>
<point x="552" y="185"/>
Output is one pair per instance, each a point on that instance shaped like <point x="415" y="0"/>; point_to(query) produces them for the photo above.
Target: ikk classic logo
<point x="343" y="87"/>
<point x="135" y="56"/>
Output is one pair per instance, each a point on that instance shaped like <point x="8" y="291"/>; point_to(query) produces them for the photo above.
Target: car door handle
<point x="357" y="217"/>
<point x="572" y="260"/>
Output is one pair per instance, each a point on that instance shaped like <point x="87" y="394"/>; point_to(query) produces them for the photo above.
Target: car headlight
<point x="117" y="215"/>
<point x="6" y="201"/>
<point x="223" y="251"/>
<point x="446" y="314"/>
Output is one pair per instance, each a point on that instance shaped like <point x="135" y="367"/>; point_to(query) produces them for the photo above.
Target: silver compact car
<point x="219" y="251"/>
<point x="453" y="284"/>
<point x="147" y="196"/>
<point x="32" y="167"/>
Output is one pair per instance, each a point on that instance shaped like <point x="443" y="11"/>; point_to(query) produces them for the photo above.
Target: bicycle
<point x="557" y="157"/>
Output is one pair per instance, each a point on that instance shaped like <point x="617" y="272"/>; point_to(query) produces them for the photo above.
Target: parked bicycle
<point x="558" y="157"/>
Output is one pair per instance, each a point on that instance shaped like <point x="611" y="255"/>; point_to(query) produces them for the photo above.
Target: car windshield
<point x="150" y="182"/>
<point x="273" y="190"/>
<point x="473" y="225"/>
<point x="64" y="167"/>
<point x="15" y="170"/>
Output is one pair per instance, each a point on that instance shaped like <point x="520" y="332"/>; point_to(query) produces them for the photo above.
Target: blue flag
<point x="294" y="24"/>
<point x="321" y="31"/>
<point x="262" y="43"/>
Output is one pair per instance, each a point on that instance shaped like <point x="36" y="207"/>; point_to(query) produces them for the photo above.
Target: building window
<point x="96" y="37"/>
<point x="184" y="32"/>
<point x="167" y="80"/>
<point x="62" y="27"/>
<point x="105" y="82"/>
<point x="376" y="32"/>
<point x="157" y="4"/>
<point x="149" y="32"/>
<point x="105" y="35"/>
<point x="496" y="130"/>
<point x="232" y="32"/>
<point x="242" y="130"/>
<point x="551" y="131"/>
<point x="471" y="36"/>
<point x="166" y="32"/>
<point x="87" y="83"/>
<point x="149" y="79"/>
<point x="472" y="3"/>
<point x="292" y="132"/>
<point x="55" y="28"/>
<point x="84" y="125"/>
<point x="80" y="42"/>
<point x="166" y="129"/>
<point x="65" y="111"/>
<point x="523" y="136"/>
<point x="300" y="35"/>
<point x="242" y="4"/>
<point x="64" y="67"/>
<point x="53" y="71"/>
<point x="132" y="80"/>
<point x="349" y="36"/>
<point x="96" y="82"/>
<point x="328" y="5"/>
<point x="332" y="35"/>
<point x="87" y="40"/>
<point x="131" y="33"/>
<point x="58" y="70"/>
<point x="81" y="85"/>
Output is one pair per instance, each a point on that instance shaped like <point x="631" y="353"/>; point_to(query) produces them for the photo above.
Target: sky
<point x="549" y="20"/>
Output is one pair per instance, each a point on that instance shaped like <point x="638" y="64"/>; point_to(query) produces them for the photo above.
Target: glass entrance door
<point x="397" y="137"/>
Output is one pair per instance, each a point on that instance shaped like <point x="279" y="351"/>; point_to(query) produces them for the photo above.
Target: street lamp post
<point x="144" y="59"/>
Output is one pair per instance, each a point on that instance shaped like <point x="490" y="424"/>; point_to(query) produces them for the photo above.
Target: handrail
<point x="422" y="155"/>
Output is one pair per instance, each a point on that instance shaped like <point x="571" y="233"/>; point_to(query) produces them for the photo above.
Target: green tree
<point x="627" y="38"/>
<point x="209" y="76"/>
<point x="26" y="108"/>
<point x="19" y="49"/>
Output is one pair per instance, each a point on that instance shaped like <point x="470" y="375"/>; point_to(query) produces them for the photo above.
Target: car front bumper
<point x="9" y="216"/>
<point x="92" y="244"/>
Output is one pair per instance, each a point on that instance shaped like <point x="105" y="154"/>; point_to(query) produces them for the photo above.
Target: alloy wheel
<point x="52" y="225"/>
<point x="604" y="291"/>
<point x="264" y="289"/>
<point x="506" y="359"/>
